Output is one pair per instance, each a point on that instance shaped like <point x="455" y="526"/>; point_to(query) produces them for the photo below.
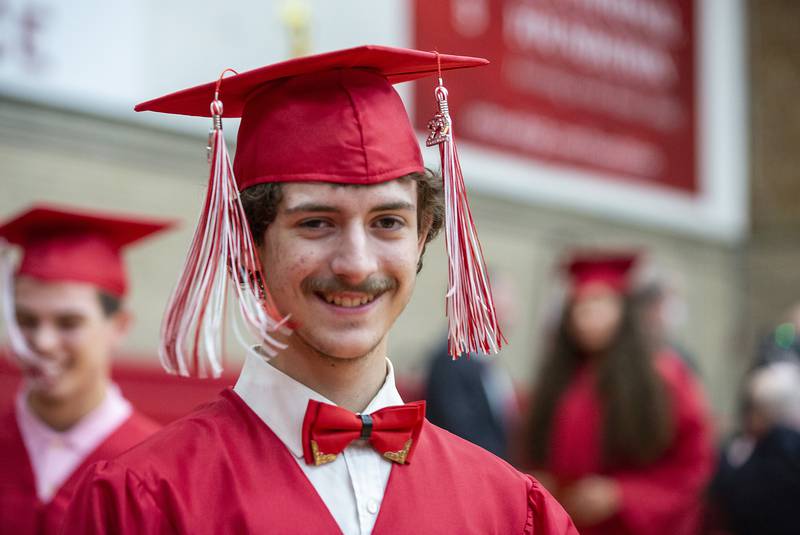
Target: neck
<point x="349" y="382"/>
<point x="61" y="414"/>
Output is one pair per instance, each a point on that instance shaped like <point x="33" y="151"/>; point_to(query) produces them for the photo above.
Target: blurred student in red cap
<point x="618" y="432"/>
<point x="65" y="316"/>
<point x="323" y="241"/>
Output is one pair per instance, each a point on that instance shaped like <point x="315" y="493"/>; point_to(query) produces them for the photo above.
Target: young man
<point x="66" y="318"/>
<point x="316" y="440"/>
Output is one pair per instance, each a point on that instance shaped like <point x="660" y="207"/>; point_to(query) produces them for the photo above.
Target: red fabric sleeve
<point x="113" y="500"/>
<point x="545" y="514"/>
<point x="665" y="497"/>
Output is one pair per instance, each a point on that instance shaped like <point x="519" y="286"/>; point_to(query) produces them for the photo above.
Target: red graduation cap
<point x="395" y="65"/>
<point x="608" y="269"/>
<point x="332" y="117"/>
<point x="61" y="244"/>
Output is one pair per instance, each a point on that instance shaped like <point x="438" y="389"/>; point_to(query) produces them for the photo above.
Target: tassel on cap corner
<point x="222" y="248"/>
<point x="19" y="347"/>
<point x="16" y="341"/>
<point x="472" y="320"/>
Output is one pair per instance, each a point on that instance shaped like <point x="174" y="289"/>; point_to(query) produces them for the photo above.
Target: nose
<point x="355" y="258"/>
<point x="44" y="340"/>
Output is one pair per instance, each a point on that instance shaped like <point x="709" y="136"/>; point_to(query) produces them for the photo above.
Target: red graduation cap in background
<point x="332" y="117"/>
<point x="60" y="244"/>
<point x="588" y="270"/>
<point x="66" y="245"/>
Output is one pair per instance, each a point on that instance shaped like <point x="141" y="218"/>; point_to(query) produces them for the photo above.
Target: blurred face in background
<point x="773" y="398"/>
<point x="595" y="318"/>
<point x="662" y="311"/>
<point x="64" y="324"/>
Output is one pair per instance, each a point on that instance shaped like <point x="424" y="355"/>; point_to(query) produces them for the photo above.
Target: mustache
<point x="372" y="285"/>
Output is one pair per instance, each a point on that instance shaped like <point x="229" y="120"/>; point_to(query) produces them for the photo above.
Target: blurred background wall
<point x="773" y="251"/>
<point x="70" y="74"/>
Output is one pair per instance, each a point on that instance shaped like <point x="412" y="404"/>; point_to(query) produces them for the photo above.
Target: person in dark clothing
<point x="458" y="400"/>
<point x="473" y="396"/>
<point x="760" y="496"/>
<point x="756" y="488"/>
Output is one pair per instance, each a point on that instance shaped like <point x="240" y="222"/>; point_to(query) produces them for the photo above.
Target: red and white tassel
<point x="472" y="321"/>
<point x="17" y="342"/>
<point x="192" y="333"/>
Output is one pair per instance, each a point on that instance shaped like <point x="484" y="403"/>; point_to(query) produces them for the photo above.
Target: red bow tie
<point x="391" y="431"/>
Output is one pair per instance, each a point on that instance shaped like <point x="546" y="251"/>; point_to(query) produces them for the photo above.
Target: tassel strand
<point x="20" y="348"/>
<point x="472" y="321"/>
<point x="222" y="248"/>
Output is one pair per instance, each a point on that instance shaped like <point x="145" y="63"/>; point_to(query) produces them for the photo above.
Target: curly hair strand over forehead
<point x="261" y="204"/>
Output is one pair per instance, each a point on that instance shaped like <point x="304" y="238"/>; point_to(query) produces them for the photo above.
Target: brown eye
<point x="389" y="223"/>
<point x="70" y="322"/>
<point x="314" y="224"/>
<point x="26" y="321"/>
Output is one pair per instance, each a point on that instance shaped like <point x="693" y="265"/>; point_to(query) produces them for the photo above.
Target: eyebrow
<point x="317" y="207"/>
<point x="67" y="313"/>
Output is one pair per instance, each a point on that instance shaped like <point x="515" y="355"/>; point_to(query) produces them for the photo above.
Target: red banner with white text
<point x="599" y="85"/>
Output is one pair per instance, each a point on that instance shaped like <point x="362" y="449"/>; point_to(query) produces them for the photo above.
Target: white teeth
<point x="348" y="302"/>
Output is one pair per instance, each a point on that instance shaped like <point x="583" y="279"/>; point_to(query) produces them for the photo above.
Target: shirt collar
<point x="281" y="401"/>
<point x="82" y="437"/>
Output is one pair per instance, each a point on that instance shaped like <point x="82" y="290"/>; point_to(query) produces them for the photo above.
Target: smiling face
<point x="64" y="323"/>
<point x="342" y="261"/>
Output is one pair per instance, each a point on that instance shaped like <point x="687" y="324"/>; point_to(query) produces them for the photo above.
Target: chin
<point x="345" y="347"/>
<point x="52" y="391"/>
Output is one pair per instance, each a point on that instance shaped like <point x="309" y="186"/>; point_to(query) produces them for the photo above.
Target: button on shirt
<point x="352" y="486"/>
<point x="55" y="455"/>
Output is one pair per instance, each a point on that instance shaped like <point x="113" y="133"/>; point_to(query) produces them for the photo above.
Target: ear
<point x="422" y="242"/>
<point x="121" y="323"/>
<point x="424" y="230"/>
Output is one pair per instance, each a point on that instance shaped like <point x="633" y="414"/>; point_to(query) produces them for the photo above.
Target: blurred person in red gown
<point x="65" y="316"/>
<point x="618" y="431"/>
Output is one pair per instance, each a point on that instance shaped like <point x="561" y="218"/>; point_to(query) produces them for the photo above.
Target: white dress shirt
<point x="351" y="486"/>
<point x="54" y="455"/>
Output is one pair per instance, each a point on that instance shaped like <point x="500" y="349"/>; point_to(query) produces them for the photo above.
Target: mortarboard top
<point x="61" y="244"/>
<point x="396" y="65"/>
<point x="331" y="117"/>
<point x="609" y="269"/>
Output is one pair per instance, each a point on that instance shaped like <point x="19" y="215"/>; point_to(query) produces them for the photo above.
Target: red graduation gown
<point x="221" y="470"/>
<point x="663" y="498"/>
<point x="21" y="511"/>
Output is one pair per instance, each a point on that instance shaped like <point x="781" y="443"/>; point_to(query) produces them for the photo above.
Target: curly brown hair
<point x="261" y="204"/>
